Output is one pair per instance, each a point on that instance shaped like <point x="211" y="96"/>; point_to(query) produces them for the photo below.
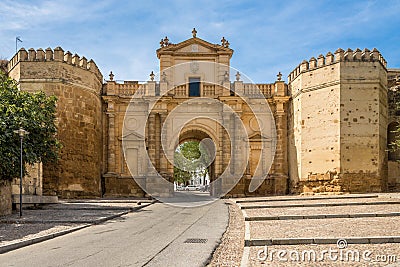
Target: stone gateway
<point x="326" y="130"/>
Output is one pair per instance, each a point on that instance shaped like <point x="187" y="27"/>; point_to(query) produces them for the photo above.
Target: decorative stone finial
<point x="164" y="42"/>
<point x="194" y="32"/>
<point x="226" y="76"/>
<point x="152" y="76"/>
<point x="237" y="76"/>
<point x="224" y="42"/>
<point x="279" y="76"/>
<point x="111" y="76"/>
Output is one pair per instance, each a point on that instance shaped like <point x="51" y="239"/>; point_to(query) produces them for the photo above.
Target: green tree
<point x="35" y="113"/>
<point x="190" y="158"/>
<point x="181" y="176"/>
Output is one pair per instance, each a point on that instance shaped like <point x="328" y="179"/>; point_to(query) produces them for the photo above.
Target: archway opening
<point x="191" y="170"/>
<point x="194" y="163"/>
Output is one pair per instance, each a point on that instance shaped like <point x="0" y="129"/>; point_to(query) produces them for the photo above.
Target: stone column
<point x="111" y="143"/>
<point x="226" y="158"/>
<point x="157" y="148"/>
<point x="163" y="159"/>
<point x="151" y="139"/>
<point x="280" y="160"/>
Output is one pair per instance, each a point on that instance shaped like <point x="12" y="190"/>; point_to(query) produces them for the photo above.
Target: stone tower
<point x="77" y="84"/>
<point x="337" y="130"/>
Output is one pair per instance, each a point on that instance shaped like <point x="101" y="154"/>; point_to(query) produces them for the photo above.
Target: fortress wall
<point x="364" y="126"/>
<point x="77" y="84"/>
<point x="393" y="119"/>
<point x="294" y="132"/>
<point x="314" y="140"/>
<point x="339" y="118"/>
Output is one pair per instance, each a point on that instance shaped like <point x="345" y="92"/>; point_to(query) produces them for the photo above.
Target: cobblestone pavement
<point x="51" y="219"/>
<point x="385" y="254"/>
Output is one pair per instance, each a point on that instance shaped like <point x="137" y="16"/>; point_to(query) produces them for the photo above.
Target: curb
<point x="307" y="198"/>
<point x="320" y="205"/>
<point x="321" y="241"/>
<point x="24" y="243"/>
<point x="321" y="216"/>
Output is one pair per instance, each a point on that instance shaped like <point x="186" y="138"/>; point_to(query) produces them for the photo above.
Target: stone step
<point x="35" y="199"/>
<point x="305" y="211"/>
<point x="297" y="198"/>
<point x="106" y="201"/>
<point x="296" y="205"/>
<point x="320" y="241"/>
<point x="327" y="227"/>
<point x="321" y="216"/>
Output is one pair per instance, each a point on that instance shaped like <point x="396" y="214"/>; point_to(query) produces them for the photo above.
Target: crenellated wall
<point x="77" y="83"/>
<point x="332" y="134"/>
<point x="338" y="122"/>
<point x="340" y="55"/>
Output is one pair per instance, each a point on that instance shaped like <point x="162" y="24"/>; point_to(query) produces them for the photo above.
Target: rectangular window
<point x="194" y="86"/>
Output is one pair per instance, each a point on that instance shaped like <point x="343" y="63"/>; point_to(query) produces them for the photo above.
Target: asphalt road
<point x="153" y="236"/>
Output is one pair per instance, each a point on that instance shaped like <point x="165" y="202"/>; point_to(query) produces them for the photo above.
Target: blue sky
<point x="267" y="36"/>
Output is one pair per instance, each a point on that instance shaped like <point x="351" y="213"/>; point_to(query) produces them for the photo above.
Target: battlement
<point x="56" y="55"/>
<point x="339" y="56"/>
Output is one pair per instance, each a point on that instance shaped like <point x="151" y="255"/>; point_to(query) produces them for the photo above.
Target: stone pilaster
<point x="280" y="175"/>
<point x="163" y="160"/>
<point x="111" y="143"/>
<point x="151" y="138"/>
<point x="157" y="148"/>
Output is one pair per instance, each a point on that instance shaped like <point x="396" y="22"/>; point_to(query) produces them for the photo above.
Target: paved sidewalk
<point x="49" y="221"/>
<point x="347" y="223"/>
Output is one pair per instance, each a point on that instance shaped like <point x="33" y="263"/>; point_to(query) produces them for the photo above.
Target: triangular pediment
<point x="132" y="136"/>
<point x="258" y="137"/>
<point x="194" y="45"/>
<point x="255" y="137"/>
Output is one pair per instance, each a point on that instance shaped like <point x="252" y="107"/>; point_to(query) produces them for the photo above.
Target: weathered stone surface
<point x="79" y="120"/>
<point x="331" y="122"/>
<point x="338" y="124"/>
<point x="31" y="183"/>
<point x="5" y="197"/>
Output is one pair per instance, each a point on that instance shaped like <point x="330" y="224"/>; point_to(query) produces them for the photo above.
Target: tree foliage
<point x="190" y="158"/>
<point x="35" y="113"/>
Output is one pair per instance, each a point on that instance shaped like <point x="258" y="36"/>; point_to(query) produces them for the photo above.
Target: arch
<point x="198" y="132"/>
